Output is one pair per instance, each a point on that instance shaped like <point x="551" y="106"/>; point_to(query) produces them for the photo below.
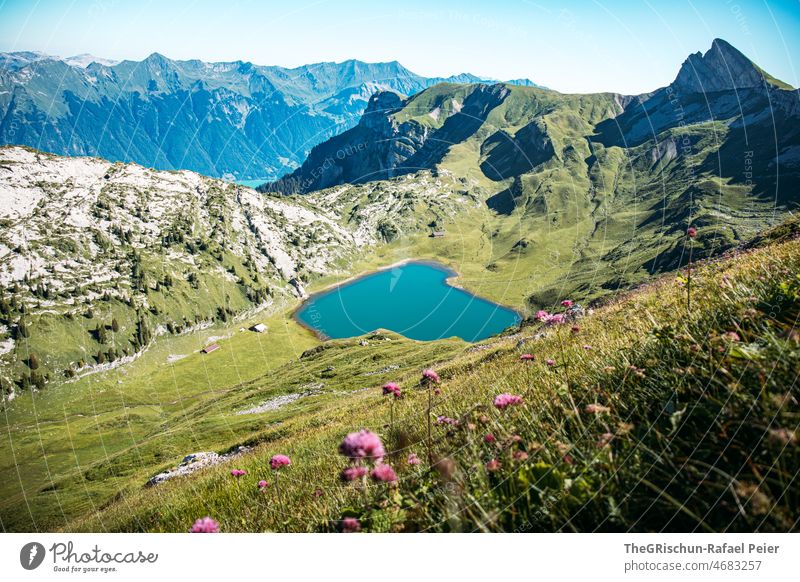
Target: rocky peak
<point x="385" y="101"/>
<point x="722" y="68"/>
<point x="381" y="105"/>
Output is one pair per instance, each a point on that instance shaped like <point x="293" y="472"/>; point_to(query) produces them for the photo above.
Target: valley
<point x="115" y="278"/>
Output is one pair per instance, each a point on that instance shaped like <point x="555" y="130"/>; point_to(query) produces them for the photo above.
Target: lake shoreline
<point x="451" y="273"/>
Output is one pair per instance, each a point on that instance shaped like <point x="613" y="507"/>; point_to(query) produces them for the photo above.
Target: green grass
<point x="75" y="448"/>
<point x="118" y="426"/>
<point x="701" y="426"/>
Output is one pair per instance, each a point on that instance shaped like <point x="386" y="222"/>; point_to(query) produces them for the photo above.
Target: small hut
<point x="437" y="234"/>
<point x="210" y="348"/>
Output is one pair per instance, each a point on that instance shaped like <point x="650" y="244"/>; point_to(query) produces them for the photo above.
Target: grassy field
<point x="690" y="427"/>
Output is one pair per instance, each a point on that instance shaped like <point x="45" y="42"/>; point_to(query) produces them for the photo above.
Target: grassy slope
<point x="130" y="431"/>
<point x="702" y="426"/>
<point x="592" y="221"/>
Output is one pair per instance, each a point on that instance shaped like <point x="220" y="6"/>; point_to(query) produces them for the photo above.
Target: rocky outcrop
<point x="195" y="462"/>
<point x="722" y="68"/>
<point x="389" y="141"/>
<point x="721" y="85"/>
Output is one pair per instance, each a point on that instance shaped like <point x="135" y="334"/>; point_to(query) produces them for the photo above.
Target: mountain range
<point x="514" y="130"/>
<point x="127" y="295"/>
<point x="605" y="182"/>
<point x="545" y="195"/>
<point x="235" y="120"/>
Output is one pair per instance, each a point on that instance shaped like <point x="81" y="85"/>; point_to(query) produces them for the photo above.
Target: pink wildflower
<point x="362" y="445"/>
<point x="429" y="376"/>
<point x="503" y="401"/>
<point x="205" y="525"/>
<point x="493" y="465"/>
<point x="596" y="409"/>
<point x="238" y="473"/>
<point x="384" y="474"/>
<point x="437" y="391"/>
<point x="318" y="493"/>
<point x="550" y="362"/>
<point x="566" y="303"/>
<point x="279" y="461"/>
<point x="350" y="525"/>
<point x="556" y="319"/>
<point x="543" y="316"/>
<point x="732" y="336"/>
<point x="489" y="438"/>
<point x="446" y="420"/>
<point x="263" y="485"/>
<point x="391" y="388"/>
<point x="353" y="473"/>
<point x="527" y="357"/>
<point x="587" y="347"/>
<point x="520" y="456"/>
<point x="691" y="232"/>
<point x="413" y="459"/>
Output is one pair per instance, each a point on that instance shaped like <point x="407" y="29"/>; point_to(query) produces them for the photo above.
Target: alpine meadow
<point x="451" y="304"/>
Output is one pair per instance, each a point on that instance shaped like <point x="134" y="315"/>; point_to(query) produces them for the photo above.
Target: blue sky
<point x="574" y="45"/>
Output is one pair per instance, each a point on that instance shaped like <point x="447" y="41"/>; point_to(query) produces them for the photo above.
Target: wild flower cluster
<point x="663" y="419"/>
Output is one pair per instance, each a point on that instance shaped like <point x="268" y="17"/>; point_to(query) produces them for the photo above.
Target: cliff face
<point x="390" y="139"/>
<point x="721" y="68"/>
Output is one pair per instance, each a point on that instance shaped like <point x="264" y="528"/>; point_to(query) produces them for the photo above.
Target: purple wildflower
<point x="353" y="473"/>
<point x="362" y="445"/>
<point x="350" y="525"/>
<point x="502" y="401"/>
<point x="384" y="474"/>
<point x="205" y="525"/>
<point x="429" y="376"/>
<point x="391" y="388"/>
<point x="446" y="420"/>
<point x="279" y="461"/>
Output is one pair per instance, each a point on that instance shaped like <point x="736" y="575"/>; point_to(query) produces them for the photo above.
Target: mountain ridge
<point x="233" y="119"/>
<point x="731" y="86"/>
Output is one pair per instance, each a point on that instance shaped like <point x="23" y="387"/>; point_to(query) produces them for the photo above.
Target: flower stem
<point x="430" y="451"/>
<point x="689" y="281"/>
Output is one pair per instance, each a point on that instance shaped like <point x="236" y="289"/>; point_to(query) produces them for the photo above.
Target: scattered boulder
<point x="194" y="462"/>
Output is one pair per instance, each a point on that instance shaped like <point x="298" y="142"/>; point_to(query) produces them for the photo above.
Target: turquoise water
<point x="413" y="299"/>
<point x="251" y="183"/>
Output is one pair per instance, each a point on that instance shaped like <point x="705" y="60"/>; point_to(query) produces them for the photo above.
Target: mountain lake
<point x="252" y="183"/>
<point x="413" y="299"/>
